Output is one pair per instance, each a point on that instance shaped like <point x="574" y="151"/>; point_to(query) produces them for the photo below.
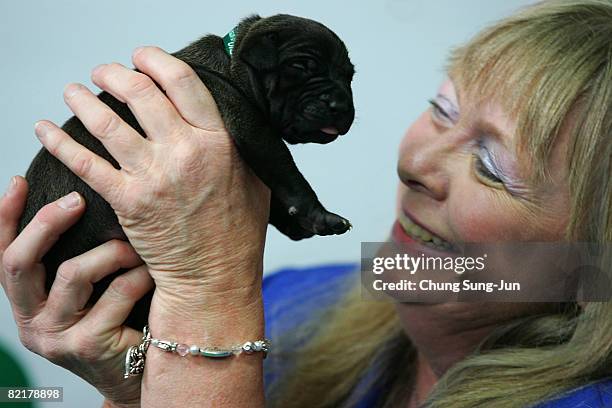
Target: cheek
<point x="477" y="214"/>
<point x="473" y="219"/>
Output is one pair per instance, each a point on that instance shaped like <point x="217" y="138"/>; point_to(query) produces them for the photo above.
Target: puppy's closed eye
<point x="304" y="64"/>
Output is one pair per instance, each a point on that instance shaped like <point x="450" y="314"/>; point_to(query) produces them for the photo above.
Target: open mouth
<point x="423" y="236"/>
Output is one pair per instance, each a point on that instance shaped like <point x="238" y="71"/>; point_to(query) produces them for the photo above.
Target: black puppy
<point x="275" y="78"/>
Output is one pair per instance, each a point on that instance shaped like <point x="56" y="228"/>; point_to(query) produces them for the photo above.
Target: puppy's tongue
<point x="330" y="131"/>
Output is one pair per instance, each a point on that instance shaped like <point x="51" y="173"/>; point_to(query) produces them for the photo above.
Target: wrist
<point x="190" y="316"/>
<point x="236" y="379"/>
<point x="214" y="274"/>
<point x="208" y="293"/>
<point x="204" y="317"/>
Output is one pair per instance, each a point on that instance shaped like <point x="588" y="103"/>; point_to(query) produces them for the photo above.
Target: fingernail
<point x="97" y="69"/>
<point x="71" y="90"/>
<point x="70" y="201"/>
<point x="41" y="129"/>
<point x="137" y="51"/>
<point x="11" y="186"/>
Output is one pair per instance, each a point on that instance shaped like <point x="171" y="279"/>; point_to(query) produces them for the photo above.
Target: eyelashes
<point x="487" y="165"/>
<point x="438" y="111"/>
<point x="437" y="108"/>
<point x="483" y="171"/>
<point x="443" y="106"/>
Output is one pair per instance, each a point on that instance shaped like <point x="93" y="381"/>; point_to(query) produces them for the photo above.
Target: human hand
<point x="188" y="204"/>
<point x="90" y="342"/>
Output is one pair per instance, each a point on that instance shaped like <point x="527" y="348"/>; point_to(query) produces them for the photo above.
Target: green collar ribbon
<point x="229" y="40"/>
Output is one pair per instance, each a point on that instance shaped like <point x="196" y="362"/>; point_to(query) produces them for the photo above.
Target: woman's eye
<point x="439" y="112"/>
<point x="483" y="171"/>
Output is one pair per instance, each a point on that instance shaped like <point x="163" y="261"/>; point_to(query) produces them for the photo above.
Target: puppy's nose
<point x="336" y="104"/>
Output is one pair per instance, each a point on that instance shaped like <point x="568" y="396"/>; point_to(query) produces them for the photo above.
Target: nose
<point x="422" y="162"/>
<point x="338" y="106"/>
<point x="337" y="102"/>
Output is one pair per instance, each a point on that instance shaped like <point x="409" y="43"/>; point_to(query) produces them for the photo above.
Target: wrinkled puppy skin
<point x="288" y="80"/>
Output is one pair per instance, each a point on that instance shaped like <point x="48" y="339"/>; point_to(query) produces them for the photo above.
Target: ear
<point x="260" y="51"/>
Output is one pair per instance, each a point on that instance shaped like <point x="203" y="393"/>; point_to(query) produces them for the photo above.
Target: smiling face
<point x="462" y="180"/>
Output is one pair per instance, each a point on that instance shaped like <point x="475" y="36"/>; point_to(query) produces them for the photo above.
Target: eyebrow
<point x="492" y="129"/>
<point x="483" y="125"/>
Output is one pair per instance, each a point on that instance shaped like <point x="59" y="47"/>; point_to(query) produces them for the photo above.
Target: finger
<point x="186" y="91"/>
<point x="118" y="300"/>
<point x="74" y="280"/>
<point x="24" y="272"/>
<point x="99" y="174"/>
<point x="11" y="207"/>
<point x="154" y="112"/>
<point x="124" y="143"/>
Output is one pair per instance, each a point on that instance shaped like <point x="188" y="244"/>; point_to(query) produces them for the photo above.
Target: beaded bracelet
<point x="136" y="355"/>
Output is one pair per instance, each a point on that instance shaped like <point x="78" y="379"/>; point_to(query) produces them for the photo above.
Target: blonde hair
<point x="550" y="61"/>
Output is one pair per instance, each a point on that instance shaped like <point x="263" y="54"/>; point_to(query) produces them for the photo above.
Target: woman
<point x="515" y="147"/>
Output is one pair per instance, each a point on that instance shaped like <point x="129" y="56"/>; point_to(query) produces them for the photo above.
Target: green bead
<point x="215" y="353"/>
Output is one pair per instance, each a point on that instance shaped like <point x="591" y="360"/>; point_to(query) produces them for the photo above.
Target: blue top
<point x="292" y="295"/>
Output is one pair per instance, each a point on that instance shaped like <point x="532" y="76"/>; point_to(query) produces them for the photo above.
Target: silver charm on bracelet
<point x="136" y="356"/>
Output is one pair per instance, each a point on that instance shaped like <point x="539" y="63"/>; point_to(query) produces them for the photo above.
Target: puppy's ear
<point x="260" y="51"/>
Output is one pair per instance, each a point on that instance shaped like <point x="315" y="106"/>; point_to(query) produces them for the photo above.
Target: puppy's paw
<point x="294" y="230"/>
<point x="297" y="233"/>
<point x="323" y="222"/>
<point x="289" y="225"/>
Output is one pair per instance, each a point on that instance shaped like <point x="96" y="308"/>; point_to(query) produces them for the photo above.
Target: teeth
<point x="413" y="229"/>
<point x="425" y="236"/>
<point x="421" y="235"/>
